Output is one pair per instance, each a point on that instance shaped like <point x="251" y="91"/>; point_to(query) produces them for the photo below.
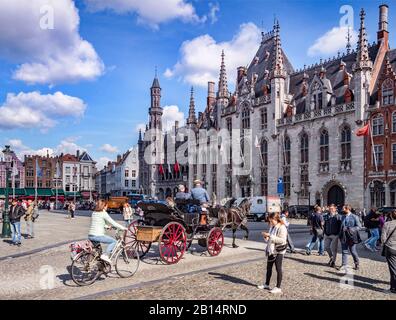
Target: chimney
<point x="241" y="72"/>
<point x="176" y="125"/>
<point x="78" y="154"/>
<point x="383" y="33"/>
<point x="118" y="158"/>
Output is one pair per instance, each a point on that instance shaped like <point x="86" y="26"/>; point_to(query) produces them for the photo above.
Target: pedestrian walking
<point x="290" y="243"/>
<point x="332" y="228"/>
<point x="276" y="240"/>
<point x="388" y="240"/>
<point x="349" y="237"/>
<point x="317" y="224"/>
<point x="72" y="209"/>
<point x="372" y="222"/>
<point x="16" y="213"/>
<point x="127" y="212"/>
<point x="29" y="218"/>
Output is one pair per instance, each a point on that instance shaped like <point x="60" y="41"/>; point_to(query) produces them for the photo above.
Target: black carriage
<point x="174" y="228"/>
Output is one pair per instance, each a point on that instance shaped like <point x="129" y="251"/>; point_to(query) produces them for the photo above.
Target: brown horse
<point x="235" y="217"/>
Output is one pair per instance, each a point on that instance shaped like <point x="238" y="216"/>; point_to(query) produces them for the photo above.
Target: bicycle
<point x="87" y="266"/>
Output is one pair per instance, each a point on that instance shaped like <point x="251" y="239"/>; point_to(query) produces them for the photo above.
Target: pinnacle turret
<point x="223" y="86"/>
<point x="278" y="68"/>
<point x="362" y="57"/>
<point x="192" y="120"/>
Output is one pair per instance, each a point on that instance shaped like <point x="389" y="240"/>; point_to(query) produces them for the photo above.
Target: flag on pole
<point x="363" y="131"/>
<point x="176" y="167"/>
<point x="161" y="169"/>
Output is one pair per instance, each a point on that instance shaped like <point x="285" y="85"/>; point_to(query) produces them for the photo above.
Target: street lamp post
<point x="6" y="230"/>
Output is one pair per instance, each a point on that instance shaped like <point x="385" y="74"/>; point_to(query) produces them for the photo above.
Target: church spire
<point x="362" y="57"/>
<point x="278" y="69"/>
<point x="155" y="110"/>
<point x="192" y="120"/>
<point x="223" y="86"/>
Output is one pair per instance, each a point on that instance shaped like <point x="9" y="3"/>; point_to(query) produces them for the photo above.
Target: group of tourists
<point x="18" y="210"/>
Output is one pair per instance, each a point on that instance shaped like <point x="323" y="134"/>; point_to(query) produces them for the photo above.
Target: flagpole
<point x="35" y="189"/>
<point x="372" y="145"/>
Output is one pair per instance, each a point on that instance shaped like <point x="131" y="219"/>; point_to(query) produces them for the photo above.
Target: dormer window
<point x="387" y="92"/>
<point x="316" y="97"/>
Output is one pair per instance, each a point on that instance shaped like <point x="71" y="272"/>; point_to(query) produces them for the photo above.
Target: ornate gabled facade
<point x="304" y="120"/>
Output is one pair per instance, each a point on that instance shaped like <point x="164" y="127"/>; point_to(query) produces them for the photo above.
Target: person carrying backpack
<point x="16" y="212"/>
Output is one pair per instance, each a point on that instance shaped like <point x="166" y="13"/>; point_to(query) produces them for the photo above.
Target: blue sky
<point x="104" y="96"/>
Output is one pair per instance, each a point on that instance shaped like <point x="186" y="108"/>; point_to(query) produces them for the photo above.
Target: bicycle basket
<point x="80" y="246"/>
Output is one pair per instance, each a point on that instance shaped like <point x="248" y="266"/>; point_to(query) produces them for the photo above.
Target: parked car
<point x="300" y="211"/>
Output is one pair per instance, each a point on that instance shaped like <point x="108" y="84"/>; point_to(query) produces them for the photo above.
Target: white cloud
<point x="45" y="55"/>
<point x="332" y="41"/>
<point x="67" y="145"/>
<point x="213" y="10"/>
<point x="34" y="110"/>
<point x="102" y="162"/>
<point x="200" y="57"/>
<point x="108" y="148"/>
<point x="170" y="115"/>
<point x="151" y="12"/>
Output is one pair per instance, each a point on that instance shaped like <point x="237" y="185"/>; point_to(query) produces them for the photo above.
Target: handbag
<point x="388" y="250"/>
<point x="319" y="232"/>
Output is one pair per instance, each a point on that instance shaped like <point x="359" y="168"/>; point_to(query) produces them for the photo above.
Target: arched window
<point x="304" y="153"/>
<point x="378" y="125"/>
<point x="387" y="92"/>
<point x="286" y="166"/>
<point x="377" y="194"/>
<point x="264" y="164"/>
<point x="324" y="151"/>
<point x="346" y="149"/>
<point x="304" y="148"/>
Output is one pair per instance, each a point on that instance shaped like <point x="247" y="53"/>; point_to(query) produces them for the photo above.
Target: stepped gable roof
<point x="334" y="75"/>
<point x="69" y="158"/>
<point x="262" y="63"/>
<point x="392" y="61"/>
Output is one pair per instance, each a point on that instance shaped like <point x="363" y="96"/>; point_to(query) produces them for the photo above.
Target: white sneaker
<point x="368" y="247"/>
<point x="264" y="287"/>
<point x="106" y="258"/>
<point x="276" y="290"/>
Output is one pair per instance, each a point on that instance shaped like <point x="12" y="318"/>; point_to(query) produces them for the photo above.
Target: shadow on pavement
<point x="362" y="279"/>
<point x="314" y="263"/>
<point x="257" y="249"/>
<point x="355" y="283"/>
<point x="232" y="279"/>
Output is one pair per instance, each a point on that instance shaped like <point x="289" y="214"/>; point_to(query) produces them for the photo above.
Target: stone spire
<point x="155" y="110"/>
<point x="348" y="39"/>
<point x="140" y="135"/>
<point x="192" y="119"/>
<point x="223" y="87"/>
<point x="362" y="58"/>
<point x="278" y="68"/>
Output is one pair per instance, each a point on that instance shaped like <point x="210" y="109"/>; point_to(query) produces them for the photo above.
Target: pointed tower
<point x="192" y="119"/>
<point x="278" y="78"/>
<point x="155" y="110"/>
<point x="362" y="71"/>
<point x="223" y="92"/>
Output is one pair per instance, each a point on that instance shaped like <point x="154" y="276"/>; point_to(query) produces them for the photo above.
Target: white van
<point x="261" y="206"/>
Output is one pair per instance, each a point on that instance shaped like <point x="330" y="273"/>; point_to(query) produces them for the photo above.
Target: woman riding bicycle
<point x="97" y="231"/>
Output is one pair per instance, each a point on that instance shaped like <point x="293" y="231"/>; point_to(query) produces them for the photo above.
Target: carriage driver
<point x="199" y="193"/>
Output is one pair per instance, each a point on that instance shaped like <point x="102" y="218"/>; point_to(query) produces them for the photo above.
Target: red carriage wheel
<point x="172" y="243"/>
<point x="215" y="241"/>
<point x="130" y="240"/>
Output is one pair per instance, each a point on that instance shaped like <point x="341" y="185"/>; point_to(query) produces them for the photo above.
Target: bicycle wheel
<point x="127" y="262"/>
<point x="85" y="269"/>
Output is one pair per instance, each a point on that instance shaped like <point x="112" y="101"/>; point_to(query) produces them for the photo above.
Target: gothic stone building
<point x="304" y="120"/>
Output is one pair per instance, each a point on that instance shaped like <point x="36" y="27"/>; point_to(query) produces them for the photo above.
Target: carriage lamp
<point x="6" y="230"/>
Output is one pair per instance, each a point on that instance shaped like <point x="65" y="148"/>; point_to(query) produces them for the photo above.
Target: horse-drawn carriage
<point x="174" y="228"/>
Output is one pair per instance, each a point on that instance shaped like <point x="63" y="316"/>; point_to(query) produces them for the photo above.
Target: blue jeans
<point x="105" y="239"/>
<point x="345" y="252"/>
<point x="312" y="244"/>
<point x="16" y="231"/>
<point x="372" y="241"/>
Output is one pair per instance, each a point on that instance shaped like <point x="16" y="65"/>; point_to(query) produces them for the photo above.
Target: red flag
<point x="161" y="169"/>
<point x="176" y="167"/>
<point x="363" y="131"/>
